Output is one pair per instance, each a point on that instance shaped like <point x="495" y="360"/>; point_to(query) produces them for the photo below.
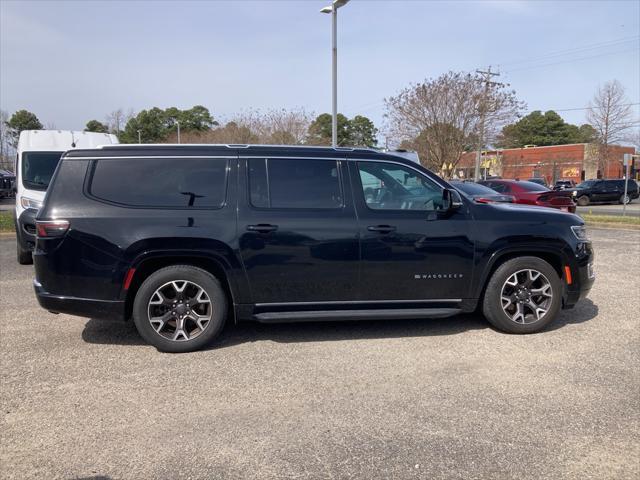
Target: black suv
<point x="185" y="238"/>
<point x="605" y="191"/>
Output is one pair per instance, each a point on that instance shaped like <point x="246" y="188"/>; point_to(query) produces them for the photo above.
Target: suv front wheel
<point x="180" y="308"/>
<point x="523" y="295"/>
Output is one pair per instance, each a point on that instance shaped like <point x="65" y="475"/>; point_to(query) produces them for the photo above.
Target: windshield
<point x="533" y="187"/>
<point x="473" y="188"/>
<point x="37" y="169"/>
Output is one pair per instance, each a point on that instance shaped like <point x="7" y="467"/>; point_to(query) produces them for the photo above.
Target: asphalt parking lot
<point x="447" y="398"/>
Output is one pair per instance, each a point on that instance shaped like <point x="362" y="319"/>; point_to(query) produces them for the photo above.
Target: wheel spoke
<point x="536" y="309"/>
<point x="158" y="298"/>
<point x="160" y="321"/>
<point x="519" y="314"/>
<point x="544" y="291"/>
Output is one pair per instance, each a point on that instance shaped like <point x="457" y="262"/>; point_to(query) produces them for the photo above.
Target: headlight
<point x="580" y="231"/>
<point x="30" y="203"/>
<point x="574" y="193"/>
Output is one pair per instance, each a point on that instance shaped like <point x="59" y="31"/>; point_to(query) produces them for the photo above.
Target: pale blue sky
<point x="76" y="60"/>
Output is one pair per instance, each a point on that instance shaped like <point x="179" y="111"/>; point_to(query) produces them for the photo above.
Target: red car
<point x="530" y="193"/>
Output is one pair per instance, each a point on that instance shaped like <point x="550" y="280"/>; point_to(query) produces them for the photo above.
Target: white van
<point x="38" y="154"/>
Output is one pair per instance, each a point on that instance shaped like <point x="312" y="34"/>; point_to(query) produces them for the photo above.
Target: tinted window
<point x="587" y="184"/>
<point x="499" y="187"/>
<point x="38" y="168"/>
<point x="389" y="186"/>
<point x="294" y="183"/>
<point x="162" y="182"/>
<point x="532" y="187"/>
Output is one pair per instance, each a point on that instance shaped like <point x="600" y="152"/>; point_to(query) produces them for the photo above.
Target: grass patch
<point x="629" y="220"/>
<point x="6" y="222"/>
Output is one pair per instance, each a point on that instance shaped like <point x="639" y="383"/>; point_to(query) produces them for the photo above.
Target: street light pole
<point x="333" y="10"/>
<point x="139" y="137"/>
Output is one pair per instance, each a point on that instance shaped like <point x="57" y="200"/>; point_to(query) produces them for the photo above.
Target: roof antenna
<point x="73" y="140"/>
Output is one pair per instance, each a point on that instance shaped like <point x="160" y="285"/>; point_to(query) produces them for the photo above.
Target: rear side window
<point x="294" y="183"/>
<point x="161" y="182"/>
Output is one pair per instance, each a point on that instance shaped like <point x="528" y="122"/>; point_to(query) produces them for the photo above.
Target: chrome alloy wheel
<point x="180" y="310"/>
<point x="526" y="296"/>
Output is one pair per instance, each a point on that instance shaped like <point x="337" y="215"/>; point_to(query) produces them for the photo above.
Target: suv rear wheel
<point x="523" y="295"/>
<point x="625" y="199"/>
<point x="180" y="308"/>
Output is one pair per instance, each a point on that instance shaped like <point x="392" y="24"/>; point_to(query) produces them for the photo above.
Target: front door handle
<point x="381" y="228"/>
<point x="262" y="228"/>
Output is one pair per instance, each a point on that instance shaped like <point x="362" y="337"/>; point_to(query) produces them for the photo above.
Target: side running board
<point x="346" y="315"/>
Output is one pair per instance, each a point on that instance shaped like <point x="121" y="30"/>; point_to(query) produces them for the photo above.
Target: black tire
<point x="624" y="200"/>
<point x="583" y="201"/>
<point x="200" y="277"/>
<point x="24" y="256"/>
<point x="492" y="304"/>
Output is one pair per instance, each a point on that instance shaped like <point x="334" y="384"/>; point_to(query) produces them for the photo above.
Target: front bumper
<point x="26" y="229"/>
<point x="583" y="276"/>
<point x="82" y="307"/>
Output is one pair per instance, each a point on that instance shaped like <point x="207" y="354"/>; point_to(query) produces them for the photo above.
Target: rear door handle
<point x="381" y="228"/>
<point x="262" y="228"/>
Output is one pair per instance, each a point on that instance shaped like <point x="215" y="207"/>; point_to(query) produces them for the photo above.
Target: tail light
<point x="51" y="228"/>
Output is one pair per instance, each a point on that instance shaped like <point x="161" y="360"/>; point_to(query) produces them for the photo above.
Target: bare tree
<point x="277" y="126"/>
<point x="441" y="118"/>
<point x="610" y="115"/>
<point x="273" y="127"/>
<point x="5" y="140"/>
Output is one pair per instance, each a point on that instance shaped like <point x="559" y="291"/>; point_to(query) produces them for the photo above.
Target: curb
<point x="613" y="226"/>
<point x="7" y="234"/>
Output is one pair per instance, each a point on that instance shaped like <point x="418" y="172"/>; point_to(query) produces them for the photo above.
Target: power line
<point x="572" y="60"/>
<point x="582" y="49"/>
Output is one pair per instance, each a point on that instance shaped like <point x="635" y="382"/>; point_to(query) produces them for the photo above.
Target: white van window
<point x="38" y="168"/>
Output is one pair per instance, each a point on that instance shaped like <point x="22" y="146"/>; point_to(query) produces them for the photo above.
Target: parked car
<point x="7" y="184"/>
<point x="481" y="193"/>
<point x="539" y="181"/>
<point x="605" y="191"/>
<point x="564" y="185"/>
<point x="530" y="193"/>
<point x="184" y="238"/>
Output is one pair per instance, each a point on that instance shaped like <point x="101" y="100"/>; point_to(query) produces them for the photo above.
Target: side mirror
<point x="451" y="200"/>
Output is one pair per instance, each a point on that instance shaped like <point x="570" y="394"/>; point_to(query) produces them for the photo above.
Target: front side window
<point x="38" y="168"/>
<point x="161" y="182"/>
<point x="390" y="186"/>
<point x="294" y="183"/>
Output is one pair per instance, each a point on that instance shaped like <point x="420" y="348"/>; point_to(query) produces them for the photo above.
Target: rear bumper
<point x="82" y="307"/>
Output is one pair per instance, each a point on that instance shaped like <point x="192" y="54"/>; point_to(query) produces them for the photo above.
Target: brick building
<point x="576" y="162"/>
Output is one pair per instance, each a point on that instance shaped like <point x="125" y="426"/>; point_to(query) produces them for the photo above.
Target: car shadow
<point x="124" y="333"/>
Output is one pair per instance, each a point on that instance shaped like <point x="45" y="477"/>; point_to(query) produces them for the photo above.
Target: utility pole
<point x="486" y="78"/>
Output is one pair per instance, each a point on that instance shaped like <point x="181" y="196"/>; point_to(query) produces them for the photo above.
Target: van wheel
<point x="583" y="201"/>
<point x="523" y="295"/>
<point x="624" y="199"/>
<point x="180" y="309"/>
<point x="24" y="256"/>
